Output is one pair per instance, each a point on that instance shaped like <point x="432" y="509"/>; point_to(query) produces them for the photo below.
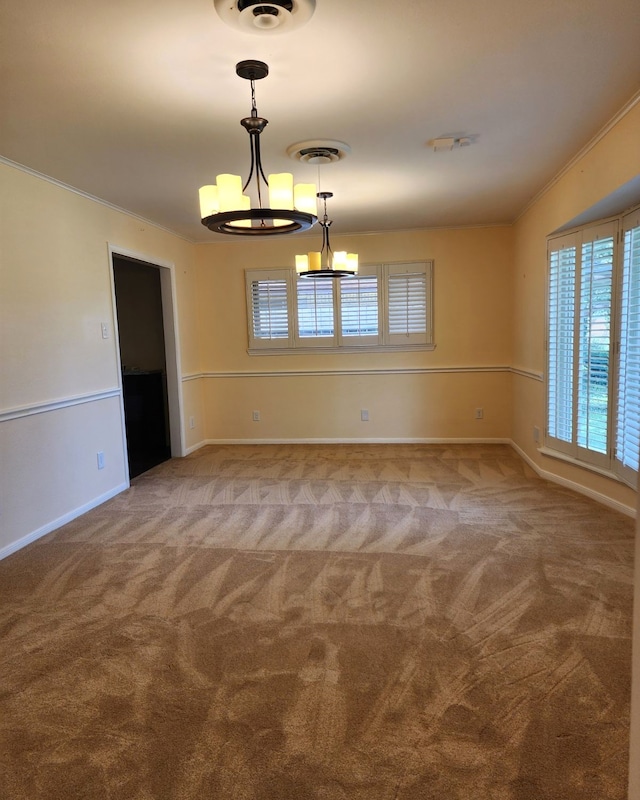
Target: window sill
<point x="605" y="473"/>
<point x="365" y="348"/>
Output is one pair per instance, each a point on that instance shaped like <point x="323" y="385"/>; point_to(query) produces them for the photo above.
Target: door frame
<point x="171" y="346"/>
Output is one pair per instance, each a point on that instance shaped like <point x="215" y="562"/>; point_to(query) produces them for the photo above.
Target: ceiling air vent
<point x="318" y="151"/>
<point x="265" y="16"/>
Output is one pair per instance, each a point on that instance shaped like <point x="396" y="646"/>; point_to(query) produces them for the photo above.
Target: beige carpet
<point x="345" y="622"/>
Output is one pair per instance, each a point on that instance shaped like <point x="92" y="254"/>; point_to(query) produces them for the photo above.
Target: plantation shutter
<point x="316" y="324"/>
<point x="560" y="347"/>
<point x="269" y="294"/>
<point x="359" y="308"/>
<point x="594" y="350"/>
<point x="628" y="416"/>
<point x="408" y="289"/>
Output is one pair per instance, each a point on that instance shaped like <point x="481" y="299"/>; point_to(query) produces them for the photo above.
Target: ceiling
<point x="138" y="103"/>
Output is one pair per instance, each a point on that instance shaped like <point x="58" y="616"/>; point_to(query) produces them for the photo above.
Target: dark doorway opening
<point x="143" y="359"/>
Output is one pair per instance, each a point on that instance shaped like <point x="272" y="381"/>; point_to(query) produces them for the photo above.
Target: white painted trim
<point x="306" y="349"/>
<point x="93" y="198"/>
<point x="342" y="372"/>
<point x="629" y="106"/>
<point x="629" y="511"/>
<point x="116" y="340"/>
<point x="58" y="523"/>
<point x="527" y="373"/>
<point x="219" y="238"/>
<point x="408" y="440"/>
<point x="63" y="520"/>
<point x="55" y="405"/>
<point x="560" y="456"/>
<point x="171" y="339"/>
<point x="172" y="359"/>
<point x="604" y="471"/>
<point x="195" y="447"/>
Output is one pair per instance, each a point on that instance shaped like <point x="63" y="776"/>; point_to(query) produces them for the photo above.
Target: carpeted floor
<point x="376" y="622"/>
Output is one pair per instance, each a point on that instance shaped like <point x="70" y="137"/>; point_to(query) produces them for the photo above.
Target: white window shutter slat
<point x="359" y="309"/>
<point x="580" y="348"/>
<point x="269" y="297"/>
<point x="386" y="306"/>
<point x="628" y="395"/>
<point x="316" y="316"/>
<point x="560" y="356"/>
<point x="593" y="376"/>
<point x="408" y="290"/>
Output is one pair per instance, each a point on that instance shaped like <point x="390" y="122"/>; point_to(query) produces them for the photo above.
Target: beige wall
<point x="401" y="406"/>
<point x="59" y="382"/>
<point x="410" y="395"/>
<point x="609" y="165"/>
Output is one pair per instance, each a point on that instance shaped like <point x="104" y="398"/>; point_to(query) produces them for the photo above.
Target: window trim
<point x="275" y="344"/>
<point x="297" y="345"/>
<point x="607" y="464"/>
<point x="629" y="221"/>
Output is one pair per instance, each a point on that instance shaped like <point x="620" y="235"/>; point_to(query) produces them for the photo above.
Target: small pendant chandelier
<point x="225" y="209"/>
<point x="326" y="263"/>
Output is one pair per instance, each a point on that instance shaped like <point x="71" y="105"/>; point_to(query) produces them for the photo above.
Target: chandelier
<point x="224" y="208"/>
<point x="326" y="263"/>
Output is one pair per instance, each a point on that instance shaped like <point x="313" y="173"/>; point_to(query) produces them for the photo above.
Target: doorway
<point x="143" y="361"/>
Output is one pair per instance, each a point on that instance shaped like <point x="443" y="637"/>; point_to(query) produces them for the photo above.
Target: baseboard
<point x="195" y="447"/>
<point x="549" y="476"/>
<point x="629" y="511"/>
<point x="58" y="523"/>
<point x="385" y="440"/>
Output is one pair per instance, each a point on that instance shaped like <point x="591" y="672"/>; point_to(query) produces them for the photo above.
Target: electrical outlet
<point x="256" y="416"/>
<point x="364" y="415"/>
<point x="536" y="433"/>
<point x="100" y="457"/>
<point x="479" y="413"/>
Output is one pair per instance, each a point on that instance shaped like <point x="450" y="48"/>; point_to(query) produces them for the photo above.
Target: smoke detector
<point x="318" y="151"/>
<point x="265" y="16"/>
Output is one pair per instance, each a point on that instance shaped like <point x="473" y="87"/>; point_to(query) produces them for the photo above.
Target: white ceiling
<point x="138" y="103"/>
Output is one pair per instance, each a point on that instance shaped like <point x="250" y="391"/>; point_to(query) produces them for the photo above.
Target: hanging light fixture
<point x="326" y="263"/>
<point x="225" y="209"/>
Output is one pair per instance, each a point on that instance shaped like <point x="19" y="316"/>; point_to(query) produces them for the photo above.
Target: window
<point x="593" y="346"/>
<point x="386" y="306"/>
<point x="360" y="308"/>
<point x="269" y="317"/>
<point x="407" y="303"/>
<point x="316" y="320"/>
<point x="628" y="390"/>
